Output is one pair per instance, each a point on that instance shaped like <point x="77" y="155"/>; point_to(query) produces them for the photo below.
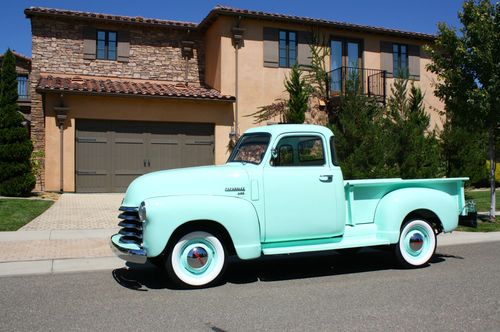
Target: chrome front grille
<point x="131" y="226"/>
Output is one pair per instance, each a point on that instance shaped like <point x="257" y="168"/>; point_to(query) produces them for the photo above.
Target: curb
<point x="53" y="266"/>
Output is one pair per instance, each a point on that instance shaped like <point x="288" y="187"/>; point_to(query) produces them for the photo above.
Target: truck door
<point x="299" y="190"/>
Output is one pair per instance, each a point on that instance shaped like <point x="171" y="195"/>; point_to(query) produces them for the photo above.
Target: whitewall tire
<point x="197" y="259"/>
<point x="417" y="244"/>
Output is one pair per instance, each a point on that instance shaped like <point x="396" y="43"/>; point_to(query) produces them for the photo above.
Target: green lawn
<point x="482" y="199"/>
<point x="482" y="227"/>
<point x="15" y="213"/>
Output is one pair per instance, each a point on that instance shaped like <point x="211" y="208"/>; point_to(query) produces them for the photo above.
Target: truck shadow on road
<point x="277" y="268"/>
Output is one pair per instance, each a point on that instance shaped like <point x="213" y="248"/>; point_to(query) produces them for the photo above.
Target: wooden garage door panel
<point x="92" y="146"/>
<point x="128" y="153"/>
<point x="111" y="154"/>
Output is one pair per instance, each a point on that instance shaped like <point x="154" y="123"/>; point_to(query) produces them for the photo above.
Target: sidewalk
<point x="55" y="251"/>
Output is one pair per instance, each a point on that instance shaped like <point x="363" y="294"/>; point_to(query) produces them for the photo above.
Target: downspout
<point x="61" y="115"/>
<point x="238" y="42"/>
<point x="61" y="158"/>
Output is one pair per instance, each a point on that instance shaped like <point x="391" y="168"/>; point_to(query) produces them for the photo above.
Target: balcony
<point x="369" y="82"/>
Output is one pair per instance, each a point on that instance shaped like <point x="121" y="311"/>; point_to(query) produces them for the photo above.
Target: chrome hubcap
<point x="197" y="257"/>
<point x="416" y="241"/>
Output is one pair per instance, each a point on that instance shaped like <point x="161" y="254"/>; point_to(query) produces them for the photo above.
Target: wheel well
<point x="210" y="226"/>
<point x="427" y="215"/>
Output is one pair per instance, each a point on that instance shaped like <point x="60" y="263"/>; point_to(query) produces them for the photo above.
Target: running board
<point x="293" y="247"/>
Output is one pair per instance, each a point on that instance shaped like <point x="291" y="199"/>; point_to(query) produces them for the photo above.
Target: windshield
<point x="250" y="148"/>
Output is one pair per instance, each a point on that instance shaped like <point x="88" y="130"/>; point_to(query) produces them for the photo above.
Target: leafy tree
<point x="16" y="178"/>
<point x="464" y="153"/>
<point x="468" y="65"/>
<point x="298" y="91"/>
<point x="361" y="137"/>
<point x="415" y="149"/>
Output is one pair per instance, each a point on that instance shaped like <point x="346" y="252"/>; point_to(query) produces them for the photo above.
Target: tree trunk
<point x="493" y="164"/>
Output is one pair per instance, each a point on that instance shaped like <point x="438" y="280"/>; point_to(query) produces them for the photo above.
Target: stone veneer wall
<point x="155" y="54"/>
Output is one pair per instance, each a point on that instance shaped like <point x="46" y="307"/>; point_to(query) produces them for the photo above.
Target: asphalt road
<point x="459" y="290"/>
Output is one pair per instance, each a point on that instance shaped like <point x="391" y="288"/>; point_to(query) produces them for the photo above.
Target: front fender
<point x="396" y="205"/>
<point x="166" y="214"/>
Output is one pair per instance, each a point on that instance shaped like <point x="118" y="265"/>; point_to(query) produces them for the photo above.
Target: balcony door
<point x="346" y="61"/>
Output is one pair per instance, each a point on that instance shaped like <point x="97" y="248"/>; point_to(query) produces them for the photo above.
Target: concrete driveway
<point x="79" y="211"/>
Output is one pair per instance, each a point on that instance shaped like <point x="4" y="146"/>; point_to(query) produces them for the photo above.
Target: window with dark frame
<point x="299" y="151"/>
<point x="287" y="48"/>
<point x="399" y="60"/>
<point x="106" y="44"/>
<point x="22" y="86"/>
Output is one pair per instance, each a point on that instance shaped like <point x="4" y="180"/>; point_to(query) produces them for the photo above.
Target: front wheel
<point x="417" y="244"/>
<point x="197" y="259"/>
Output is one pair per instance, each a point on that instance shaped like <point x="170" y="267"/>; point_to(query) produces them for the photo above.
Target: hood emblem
<point x="235" y="189"/>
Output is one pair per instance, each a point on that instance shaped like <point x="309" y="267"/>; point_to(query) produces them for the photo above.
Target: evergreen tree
<point x="298" y="91"/>
<point x="16" y="178"/>
<point x="416" y="150"/>
<point x="361" y="137"/>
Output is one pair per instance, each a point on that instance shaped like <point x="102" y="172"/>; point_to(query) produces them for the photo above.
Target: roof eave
<point x="29" y="13"/>
<point x="216" y="12"/>
<point x="116" y="94"/>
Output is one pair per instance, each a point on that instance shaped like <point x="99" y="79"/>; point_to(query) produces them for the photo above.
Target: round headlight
<point x="142" y="212"/>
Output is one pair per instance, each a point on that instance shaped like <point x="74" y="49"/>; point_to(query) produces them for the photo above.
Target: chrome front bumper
<point x="127" y="244"/>
<point x="132" y="255"/>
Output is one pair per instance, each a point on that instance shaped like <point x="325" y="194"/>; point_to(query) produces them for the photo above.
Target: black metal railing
<point x="370" y="82"/>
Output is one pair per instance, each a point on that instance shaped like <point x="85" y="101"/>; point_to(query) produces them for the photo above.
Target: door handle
<point x="326" y="178"/>
<point x="149" y="163"/>
<point x="144" y="162"/>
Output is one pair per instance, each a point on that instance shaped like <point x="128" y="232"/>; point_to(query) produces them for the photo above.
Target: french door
<point x="346" y="62"/>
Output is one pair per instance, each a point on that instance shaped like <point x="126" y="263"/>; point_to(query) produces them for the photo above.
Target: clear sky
<point x="415" y="15"/>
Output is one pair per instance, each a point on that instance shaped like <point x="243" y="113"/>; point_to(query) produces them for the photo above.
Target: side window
<point x="399" y="60"/>
<point x="106" y="44"/>
<point x="287" y="48"/>
<point x="299" y="151"/>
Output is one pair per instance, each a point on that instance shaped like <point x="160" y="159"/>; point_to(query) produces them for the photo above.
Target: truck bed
<point x="363" y="196"/>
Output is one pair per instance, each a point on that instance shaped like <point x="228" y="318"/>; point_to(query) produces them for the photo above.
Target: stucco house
<point x="114" y="97"/>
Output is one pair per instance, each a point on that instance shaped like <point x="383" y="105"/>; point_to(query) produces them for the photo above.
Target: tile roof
<point x="130" y="88"/>
<point x="33" y="11"/>
<point x="225" y="10"/>
<point x="19" y="55"/>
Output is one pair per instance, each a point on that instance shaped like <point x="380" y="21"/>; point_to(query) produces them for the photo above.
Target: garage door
<point x="110" y="154"/>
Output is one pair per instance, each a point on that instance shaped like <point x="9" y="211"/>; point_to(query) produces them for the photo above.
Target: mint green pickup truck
<point x="280" y="192"/>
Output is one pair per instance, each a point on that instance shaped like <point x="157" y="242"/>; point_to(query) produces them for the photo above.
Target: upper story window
<point x="287" y="48"/>
<point x="22" y="86"/>
<point x="106" y="44"/>
<point x="399" y="60"/>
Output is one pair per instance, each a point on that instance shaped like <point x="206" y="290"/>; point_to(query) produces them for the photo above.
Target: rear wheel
<point x="417" y="244"/>
<point x="197" y="259"/>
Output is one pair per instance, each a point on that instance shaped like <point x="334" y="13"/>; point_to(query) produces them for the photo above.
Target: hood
<point x="204" y="180"/>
